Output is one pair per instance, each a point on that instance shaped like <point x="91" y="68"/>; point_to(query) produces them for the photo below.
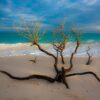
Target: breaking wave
<point x="26" y="49"/>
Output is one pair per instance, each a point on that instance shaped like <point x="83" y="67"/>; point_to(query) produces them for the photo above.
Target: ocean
<point x="13" y="44"/>
<point x="8" y="37"/>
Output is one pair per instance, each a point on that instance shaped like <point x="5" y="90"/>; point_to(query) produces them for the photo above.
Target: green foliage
<point x="31" y="32"/>
<point x="59" y="35"/>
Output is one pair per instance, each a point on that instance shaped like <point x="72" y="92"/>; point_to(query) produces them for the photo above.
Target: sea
<point x="14" y="44"/>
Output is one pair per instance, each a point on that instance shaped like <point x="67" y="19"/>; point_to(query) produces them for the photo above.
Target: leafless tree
<point x="62" y="74"/>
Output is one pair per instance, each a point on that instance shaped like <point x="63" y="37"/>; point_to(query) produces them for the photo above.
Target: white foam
<point x="26" y="49"/>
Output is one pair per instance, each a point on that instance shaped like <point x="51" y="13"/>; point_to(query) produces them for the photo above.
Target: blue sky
<point x="83" y="13"/>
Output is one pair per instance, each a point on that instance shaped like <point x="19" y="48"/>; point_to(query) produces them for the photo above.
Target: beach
<point x="50" y="50"/>
<point x="84" y="87"/>
<point x="19" y="49"/>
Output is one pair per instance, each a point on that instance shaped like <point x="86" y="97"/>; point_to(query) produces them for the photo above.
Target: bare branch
<point x="84" y="73"/>
<point x="75" y="51"/>
<point x="48" y="53"/>
<point x="29" y="77"/>
<point x="89" y="57"/>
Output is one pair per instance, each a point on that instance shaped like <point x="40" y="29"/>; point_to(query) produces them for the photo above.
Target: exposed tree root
<point x="29" y="77"/>
<point x="60" y="77"/>
<point x="84" y="73"/>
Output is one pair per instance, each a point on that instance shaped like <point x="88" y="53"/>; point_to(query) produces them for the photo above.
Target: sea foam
<point x="26" y="49"/>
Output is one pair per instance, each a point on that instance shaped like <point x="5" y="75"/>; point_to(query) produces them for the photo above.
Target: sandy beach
<point x="81" y="87"/>
<point x="49" y="49"/>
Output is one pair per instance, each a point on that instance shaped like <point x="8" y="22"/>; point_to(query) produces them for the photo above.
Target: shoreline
<point x="27" y="49"/>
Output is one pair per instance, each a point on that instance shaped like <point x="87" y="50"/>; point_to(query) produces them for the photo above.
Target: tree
<point x="60" y="74"/>
<point x="59" y="45"/>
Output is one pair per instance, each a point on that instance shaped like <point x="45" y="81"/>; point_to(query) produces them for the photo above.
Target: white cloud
<point x="90" y="2"/>
<point x="78" y="4"/>
<point x="5" y="9"/>
<point x="90" y="27"/>
<point x="97" y="27"/>
<point x="5" y="28"/>
<point x="28" y="17"/>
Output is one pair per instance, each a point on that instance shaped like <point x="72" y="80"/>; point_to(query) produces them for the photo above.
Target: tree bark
<point x="84" y="73"/>
<point x="72" y="56"/>
<point x="29" y="77"/>
<point x="62" y="58"/>
<point x="50" y="54"/>
<point x="89" y="57"/>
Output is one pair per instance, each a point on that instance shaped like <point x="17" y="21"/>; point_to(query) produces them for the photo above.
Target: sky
<point x="82" y="13"/>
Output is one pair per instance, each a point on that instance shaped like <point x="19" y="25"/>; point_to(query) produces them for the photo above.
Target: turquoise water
<point x="14" y="37"/>
<point x="11" y="37"/>
<point x="11" y="44"/>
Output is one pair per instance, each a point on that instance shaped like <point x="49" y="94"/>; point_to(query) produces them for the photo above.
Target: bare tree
<point x="60" y="74"/>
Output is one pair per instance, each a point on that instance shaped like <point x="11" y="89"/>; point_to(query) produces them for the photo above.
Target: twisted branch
<point x="72" y="56"/>
<point x="89" y="57"/>
<point x="48" y="53"/>
<point x="84" y="73"/>
<point x="29" y="77"/>
<point x="60" y="48"/>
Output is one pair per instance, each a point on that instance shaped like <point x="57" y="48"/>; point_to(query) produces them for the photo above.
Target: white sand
<point x="81" y="87"/>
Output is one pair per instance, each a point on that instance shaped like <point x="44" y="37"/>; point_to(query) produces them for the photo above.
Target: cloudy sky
<point x="83" y="13"/>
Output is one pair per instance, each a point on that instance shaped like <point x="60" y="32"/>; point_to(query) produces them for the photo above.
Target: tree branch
<point x="46" y="52"/>
<point x="62" y="58"/>
<point x="60" y="48"/>
<point x="50" y="54"/>
<point x="72" y="56"/>
<point x="84" y="73"/>
<point x="89" y="57"/>
<point x="29" y="77"/>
